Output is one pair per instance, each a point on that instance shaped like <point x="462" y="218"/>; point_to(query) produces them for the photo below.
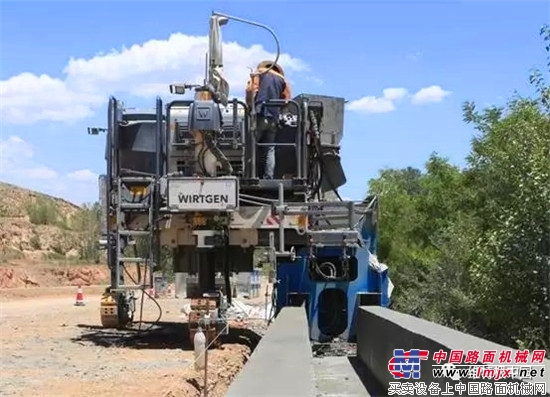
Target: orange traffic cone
<point x="79" y="297"/>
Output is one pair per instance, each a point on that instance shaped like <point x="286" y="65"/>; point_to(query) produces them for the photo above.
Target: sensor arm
<point x="259" y="25"/>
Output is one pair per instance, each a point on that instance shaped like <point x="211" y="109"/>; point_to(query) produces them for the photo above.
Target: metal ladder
<point x="145" y="207"/>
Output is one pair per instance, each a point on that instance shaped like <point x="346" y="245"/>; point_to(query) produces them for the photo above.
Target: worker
<point x="262" y="87"/>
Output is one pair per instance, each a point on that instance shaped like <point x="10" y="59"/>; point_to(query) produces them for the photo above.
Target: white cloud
<point x="390" y="96"/>
<point x="27" y="98"/>
<point x="431" y="94"/>
<point x="83" y="176"/>
<point x="16" y="161"/>
<point x="372" y="104"/>
<point x="394" y="94"/>
<point x="143" y="69"/>
<point x="18" y="166"/>
<point x="383" y="104"/>
<point x="40" y="172"/>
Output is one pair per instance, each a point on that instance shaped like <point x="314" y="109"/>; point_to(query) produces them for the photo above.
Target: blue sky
<point x="61" y="61"/>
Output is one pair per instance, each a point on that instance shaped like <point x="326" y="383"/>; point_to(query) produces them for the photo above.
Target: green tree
<point x="471" y="248"/>
<point x="510" y="168"/>
<point x="87" y="223"/>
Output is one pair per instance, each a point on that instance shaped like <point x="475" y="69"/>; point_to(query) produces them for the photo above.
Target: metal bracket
<point x="208" y="238"/>
<point x="96" y="130"/>
<point x="281" y="210"/>
<point x="273" y="254"/>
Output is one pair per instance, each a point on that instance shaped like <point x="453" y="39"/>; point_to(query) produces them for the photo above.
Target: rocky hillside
<point x="37" y="226"/>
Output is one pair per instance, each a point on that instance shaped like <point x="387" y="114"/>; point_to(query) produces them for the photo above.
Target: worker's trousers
<point x="266" y="131"/>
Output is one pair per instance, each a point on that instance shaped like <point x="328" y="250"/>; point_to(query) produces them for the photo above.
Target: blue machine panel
<point x="370" y="287"/>
<point x="332" y="304"/>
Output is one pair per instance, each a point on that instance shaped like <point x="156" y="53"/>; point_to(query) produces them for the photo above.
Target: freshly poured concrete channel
<point x="335" y="376"/>
<point x="282" y="365"/>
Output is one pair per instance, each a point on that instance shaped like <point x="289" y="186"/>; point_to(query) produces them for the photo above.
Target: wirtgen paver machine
<point x="185" y="177"/>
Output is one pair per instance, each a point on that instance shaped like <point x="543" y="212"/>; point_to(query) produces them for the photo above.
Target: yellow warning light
<point x="138" y="190"/>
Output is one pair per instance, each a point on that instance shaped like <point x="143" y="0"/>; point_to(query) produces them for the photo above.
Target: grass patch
<point x="42" y="211"/>
<point x="87" y="223"/>
<point x="4" y="212"/>
<point x="9" y="254"/>
<point x="54" y="256"/>
<point x="35" y="241"/>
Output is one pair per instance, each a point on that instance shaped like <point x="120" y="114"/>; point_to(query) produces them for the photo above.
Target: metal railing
<point x="297" y="144"/>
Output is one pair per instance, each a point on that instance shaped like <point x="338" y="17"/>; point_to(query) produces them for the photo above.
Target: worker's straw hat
<point x="266" y="64"/>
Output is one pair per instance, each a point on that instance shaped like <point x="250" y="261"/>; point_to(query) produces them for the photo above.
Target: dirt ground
<point x="50" y="347"/>
<point x="26" y="274"/>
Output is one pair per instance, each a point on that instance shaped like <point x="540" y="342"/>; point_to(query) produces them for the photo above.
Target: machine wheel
<point x="114" y="311"/>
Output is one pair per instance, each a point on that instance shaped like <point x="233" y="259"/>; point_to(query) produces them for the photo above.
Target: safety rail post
<point x="109" y="182"/>
<point x="154" y="198"/>
<point x="244" y="131"/>
<point x="351" y="211"/>
<point x="246" y="119"/>
<point x="305" y="154"/>
<point x="235" y="104"/>
<point x="167" y="133"/>
<point x="118" y="217"/>
<point x="281" y="213"/>
<point x="113" y="166"/>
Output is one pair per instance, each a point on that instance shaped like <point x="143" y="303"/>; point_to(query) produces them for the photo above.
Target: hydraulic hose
<point x="314" y="133"/>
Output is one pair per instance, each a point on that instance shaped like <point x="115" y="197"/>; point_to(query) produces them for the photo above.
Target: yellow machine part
<point x="302" y="222"/>
<point x="109" y="313"/>
<point x="138" y="190"/>
<point x="199" y="220"/>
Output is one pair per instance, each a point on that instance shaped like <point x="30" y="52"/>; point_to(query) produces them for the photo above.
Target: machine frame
<point x="222" y="211"/>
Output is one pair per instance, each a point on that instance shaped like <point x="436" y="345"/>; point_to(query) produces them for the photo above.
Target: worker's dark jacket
<point x="270" y="85"/>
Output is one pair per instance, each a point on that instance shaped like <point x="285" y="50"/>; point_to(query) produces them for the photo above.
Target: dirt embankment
<point x="47" y="242"/>
<point x="24" y="274"/>
<point x="27" y="279"/>
<point x="37" y="226"/>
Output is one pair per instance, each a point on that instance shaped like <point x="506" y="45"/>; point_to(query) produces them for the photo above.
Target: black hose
<point x="215" y="150"/>
<point x="138" y="267"/>
<point x="317" y="145"/>
<point x="273" y="304"/>
<point x="200" y="158"/>
<point x="316" y="159"/>
<point x="143" y="292"/>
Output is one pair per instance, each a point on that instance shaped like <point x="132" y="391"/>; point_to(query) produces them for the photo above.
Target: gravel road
<point x="49" y="347"/>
